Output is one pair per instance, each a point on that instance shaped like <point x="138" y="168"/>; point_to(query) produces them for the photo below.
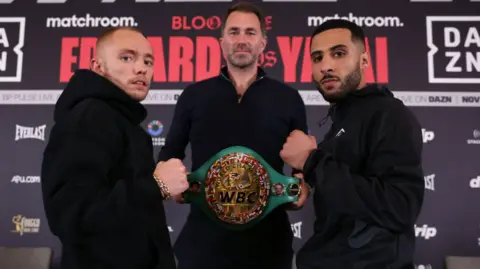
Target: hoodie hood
<point x="340" y="109"/>
<point x="86" y="84"/>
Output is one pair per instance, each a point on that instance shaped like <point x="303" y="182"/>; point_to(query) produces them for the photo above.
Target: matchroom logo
<point x="12" y="35"/>
<point x="454" y="49"/>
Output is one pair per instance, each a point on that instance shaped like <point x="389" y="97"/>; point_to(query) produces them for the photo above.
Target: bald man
<point x="103" y="194"/>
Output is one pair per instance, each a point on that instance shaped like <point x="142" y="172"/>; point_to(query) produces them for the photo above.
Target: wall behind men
<point x="427" y="52"/>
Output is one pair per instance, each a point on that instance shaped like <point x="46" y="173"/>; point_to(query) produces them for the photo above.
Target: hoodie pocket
<point x="373" y="244"/>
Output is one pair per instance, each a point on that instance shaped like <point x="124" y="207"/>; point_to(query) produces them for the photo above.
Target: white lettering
<point x="454" y="56"/>
<point x="472" y="37"/>
<point x="89" y="21"/>
<point x="473" y="62"/>
<point x="450" y="32"/>
<point x="475" y="183"/>
<point x="359" y="20"/>
<point x="427" y="135"/>
<point x="425" y="231"/>
<point x="4" y="38"/>
<point x="23" y="132"/>
<point x="297" y="229"/>
<point x="429" y="182"/>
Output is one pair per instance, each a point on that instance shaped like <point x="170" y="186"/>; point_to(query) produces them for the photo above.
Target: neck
<point x="362" y="83"/>
<point x="242" y="78"/>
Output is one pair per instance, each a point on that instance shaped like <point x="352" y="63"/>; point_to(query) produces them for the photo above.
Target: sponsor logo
<point x="454" y="44"/>
<point x="155" y="129"/>
<point x="363" y="21"/>
<point x="475" y="183"/>
<point x="427" y="136"/>
<point x="476" y="138"/>
<point x="24" y="225"/>
<point x="297" y="229"/>
<point x="29" y="97"/>
<point x="205" y="23"/>
<point x="12" y="37"/>
<point x="439" y="99"/>
<point x="26" y="132"/>
<point x="430" y="182"/>
<point x="25" y="179"/>
<point x="425" y="231"/>
<point x="88" y="21"/>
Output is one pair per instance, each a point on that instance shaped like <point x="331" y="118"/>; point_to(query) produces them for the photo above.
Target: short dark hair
<point x="247" y="7"/>
<point x="357" y="32"/>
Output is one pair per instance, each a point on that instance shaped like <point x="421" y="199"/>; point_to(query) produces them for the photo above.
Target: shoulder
<point x="197" y="89"/>
<point x="392" y="114"/>
<point x="280" y="88"/>
<point x="92" y="117"/>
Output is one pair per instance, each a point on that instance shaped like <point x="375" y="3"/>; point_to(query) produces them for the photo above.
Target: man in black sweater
<point x="242" y="106"/>
<point x="367" y="172"/>
<point x="102" y="193"/>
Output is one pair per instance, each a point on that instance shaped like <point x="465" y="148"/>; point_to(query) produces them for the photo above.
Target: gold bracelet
<point x="163" y="187"/>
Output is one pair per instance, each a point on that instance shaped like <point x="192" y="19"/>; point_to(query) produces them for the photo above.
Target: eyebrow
<point x="148" y="55"/>
<point x="339" y="46"/>
<point x="236" y="28"/>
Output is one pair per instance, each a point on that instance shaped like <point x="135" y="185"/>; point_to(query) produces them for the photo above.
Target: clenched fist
<point x="297" y="148"/>
<point x="174" y="175"/>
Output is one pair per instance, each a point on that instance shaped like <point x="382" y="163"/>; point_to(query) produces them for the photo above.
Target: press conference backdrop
<point x="428" y="52"/>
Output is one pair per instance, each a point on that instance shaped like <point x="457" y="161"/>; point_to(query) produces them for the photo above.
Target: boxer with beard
<point x="367" y="172"/>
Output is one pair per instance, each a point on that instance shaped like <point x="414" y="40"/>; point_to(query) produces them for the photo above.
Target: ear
<point x="364" y="60"/>
<point x="96" y="66"/>
<point x="264" y="42"/>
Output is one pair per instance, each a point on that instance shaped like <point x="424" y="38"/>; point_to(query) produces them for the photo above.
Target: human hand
<point x="172" y="174"/>
<point x="303" y="194"/>
<point x="296" y="149"/>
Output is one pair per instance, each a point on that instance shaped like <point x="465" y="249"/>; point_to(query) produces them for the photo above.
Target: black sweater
<point x="369" y="185"/>
<point x="209" y="117"/>
<point x="99" y="194"/>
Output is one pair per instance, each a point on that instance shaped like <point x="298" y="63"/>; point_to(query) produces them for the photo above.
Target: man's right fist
<point x="174" y="175"/>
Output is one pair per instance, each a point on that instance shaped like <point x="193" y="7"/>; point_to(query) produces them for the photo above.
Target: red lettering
<point x="267" y="59"/>
<point x="67" y="58"/>
<point x="159" y="71"/>
<point x="268" y="22"/>
<point x="87" y="51"/>
<point x="176" y="22"/>
<point x="381" y="55"/>
<point x="196" y="23"/>
<point x="369" y="76"/>
<point x="180" y="59"/>
<point x="306" y="72"/>
<point x="208" y="52"/>
<point x="289" y="48"/>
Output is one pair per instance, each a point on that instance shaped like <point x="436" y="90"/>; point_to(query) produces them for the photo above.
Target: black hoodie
<point x="368" y="185"/>
<point x="99" y="194"/>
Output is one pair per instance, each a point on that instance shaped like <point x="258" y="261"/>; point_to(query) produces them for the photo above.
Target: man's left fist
<point x="297" y="148"/>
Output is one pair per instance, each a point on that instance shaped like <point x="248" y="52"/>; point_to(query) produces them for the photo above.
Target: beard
<point x="242" y="61"/>
<point x="348" y="84"/>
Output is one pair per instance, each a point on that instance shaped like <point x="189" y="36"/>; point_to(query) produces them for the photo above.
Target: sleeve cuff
<point x="311" y="163"/>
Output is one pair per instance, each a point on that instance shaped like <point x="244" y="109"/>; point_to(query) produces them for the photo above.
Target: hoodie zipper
<point x="233" y="84"/>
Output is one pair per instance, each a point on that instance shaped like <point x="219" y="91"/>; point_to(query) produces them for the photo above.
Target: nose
<point x="140" y="67"/>
<point x="326" y="65"/>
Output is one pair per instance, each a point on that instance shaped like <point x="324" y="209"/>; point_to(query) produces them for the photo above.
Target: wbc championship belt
<point x="237" y="188"/>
